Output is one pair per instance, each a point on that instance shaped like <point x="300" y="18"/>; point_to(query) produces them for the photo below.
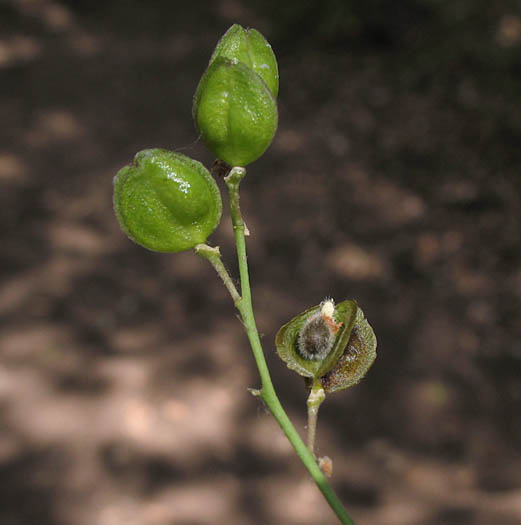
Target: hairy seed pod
<point x="331" y="343"/>
<point x="315" y="340"/>
<point x="317" y="334"/>
<point x="358" y="356"/>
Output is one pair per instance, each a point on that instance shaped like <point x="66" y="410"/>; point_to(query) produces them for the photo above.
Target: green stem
<point x="213" y="255"/>
<point x="244" y="305"/>
<point x="316" y="396"/>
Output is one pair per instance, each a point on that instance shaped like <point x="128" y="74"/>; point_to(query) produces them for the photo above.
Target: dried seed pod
<point x="358" y="356"/>
<point x="332" y="343"/>
<point x="326" y="465"/>
<point x="220" y="168"/>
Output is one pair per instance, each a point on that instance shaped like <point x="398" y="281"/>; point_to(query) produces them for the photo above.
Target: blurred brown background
<point x="394" y="179"/>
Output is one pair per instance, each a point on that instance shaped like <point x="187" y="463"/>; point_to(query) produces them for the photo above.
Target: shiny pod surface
<point x="252" y="49"/>
<point x="166" y="201"/>
<point x="235" y="112"/>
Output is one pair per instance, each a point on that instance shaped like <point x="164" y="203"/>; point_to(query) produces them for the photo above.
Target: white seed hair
<point x="327" y="307"/>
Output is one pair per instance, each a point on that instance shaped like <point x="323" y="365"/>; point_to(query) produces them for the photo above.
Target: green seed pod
<point x="166" y="201"/>
<point x="359" y="354"/>
<point x="235" y="112"/>
<point x="252" y="49"/>
<point x="331" y="343"/>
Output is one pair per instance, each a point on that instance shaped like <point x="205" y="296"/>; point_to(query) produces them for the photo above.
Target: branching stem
<point x="213" y="255"/>
<point x="243" y="303"/>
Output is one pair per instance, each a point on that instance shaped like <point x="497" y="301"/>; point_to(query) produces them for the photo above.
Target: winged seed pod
<point x="331" y="343"/>
<point x="166" y="201"/>
<point x="252" y="49"/>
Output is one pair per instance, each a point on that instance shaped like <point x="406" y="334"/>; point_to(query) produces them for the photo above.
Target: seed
<point x="317" y="334"/>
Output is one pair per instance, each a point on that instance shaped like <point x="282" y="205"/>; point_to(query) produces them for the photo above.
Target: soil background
<point x="394" y="179"/>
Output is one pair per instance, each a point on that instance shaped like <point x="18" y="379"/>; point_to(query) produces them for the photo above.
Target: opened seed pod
<point x="332" y="343"/>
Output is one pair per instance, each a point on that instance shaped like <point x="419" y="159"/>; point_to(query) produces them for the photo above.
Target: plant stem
<point x="268" y="394"/>
<point x="316" y="396"/>
<point x="213" y="255"/>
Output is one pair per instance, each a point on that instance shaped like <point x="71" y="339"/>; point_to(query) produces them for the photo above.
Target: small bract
<point x="252" y="49"/>
<point x="235" y="112"/>
<point x="330" y="343"/>
<point x="166" y="201"/>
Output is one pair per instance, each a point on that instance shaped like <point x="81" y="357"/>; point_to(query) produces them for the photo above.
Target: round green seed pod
<point x="252" y="49"/>
<point x="166" y="201"/>
<point x="235" y="112"/>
